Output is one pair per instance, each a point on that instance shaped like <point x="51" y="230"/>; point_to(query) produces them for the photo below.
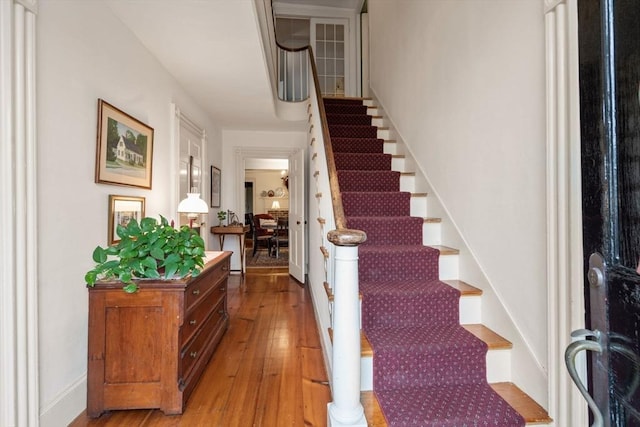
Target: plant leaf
<point x="99" y="255"/>
<point x="90" y="277"/>
<point x="130" y="288"/>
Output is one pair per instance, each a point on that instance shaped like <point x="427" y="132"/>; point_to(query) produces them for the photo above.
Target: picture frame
<point x="123" y="209"/>
<point x="124" y="151"/>
<point x="216" y="176"/>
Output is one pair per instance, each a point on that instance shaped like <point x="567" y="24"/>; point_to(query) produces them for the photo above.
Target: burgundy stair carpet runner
<point x="427" y="369"/>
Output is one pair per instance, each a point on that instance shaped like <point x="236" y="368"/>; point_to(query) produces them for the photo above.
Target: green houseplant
<point x="148" y="250"/>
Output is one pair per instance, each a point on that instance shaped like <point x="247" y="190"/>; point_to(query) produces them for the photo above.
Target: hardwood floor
<point x="268" y="370"/>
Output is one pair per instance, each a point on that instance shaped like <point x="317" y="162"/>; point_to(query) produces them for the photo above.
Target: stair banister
<point x="345" y="409"/>
<point x="341" y="265"/>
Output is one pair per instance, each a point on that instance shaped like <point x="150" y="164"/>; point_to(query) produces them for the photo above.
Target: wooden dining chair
<point x="261" y="235"/>
<point x="281" y="235"/>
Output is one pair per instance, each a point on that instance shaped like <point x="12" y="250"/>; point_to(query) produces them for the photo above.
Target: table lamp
<point x="193" y="205"/>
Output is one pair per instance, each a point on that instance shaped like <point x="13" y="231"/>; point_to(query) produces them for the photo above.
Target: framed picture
<point x="215" y="187"/>
<point x="123" y="209"/>
<point x="124" y="151"/>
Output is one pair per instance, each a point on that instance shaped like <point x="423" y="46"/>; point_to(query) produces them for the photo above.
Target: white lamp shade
<point x="275" y="205"/>
<point x="193" y="204"/>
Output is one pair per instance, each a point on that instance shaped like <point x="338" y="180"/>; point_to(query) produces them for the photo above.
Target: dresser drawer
<point x="193" y="320"/>
<point x="204" y="282"/>
<point x="193" y="351"/>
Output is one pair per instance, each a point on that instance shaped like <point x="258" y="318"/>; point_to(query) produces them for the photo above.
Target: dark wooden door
<point x="609" y="34"/>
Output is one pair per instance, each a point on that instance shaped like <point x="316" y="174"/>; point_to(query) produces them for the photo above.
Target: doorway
<point x="267" y="208"/>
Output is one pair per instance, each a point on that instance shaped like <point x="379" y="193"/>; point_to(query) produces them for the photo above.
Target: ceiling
<point x="213" y="48"/>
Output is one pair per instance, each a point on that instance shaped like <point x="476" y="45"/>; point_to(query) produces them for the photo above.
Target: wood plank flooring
<point x="268" y="370"/>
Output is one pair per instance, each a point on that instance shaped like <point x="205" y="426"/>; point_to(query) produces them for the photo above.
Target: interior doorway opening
<point x="266" y="211"/>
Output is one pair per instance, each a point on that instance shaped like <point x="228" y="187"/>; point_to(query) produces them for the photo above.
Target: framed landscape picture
<point x="215" y="187"/>
<point x="124" y="151"/>
<point x="123" y="209"/>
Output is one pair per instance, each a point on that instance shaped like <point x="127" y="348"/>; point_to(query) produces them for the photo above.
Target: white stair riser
<point x="470" y="309"/>
<point x="390" y="148"/>
<point x="373" y="111"/>
<point x="383" y="134"/>
<point x="499" y="365"/>
<point x="448" y="267"/>
<point x="418" y="206"/>
<point x="498" y="368"/>
<point x="431" y="233"/>
<point x="398" y="164"/>
<point x="407" y="183"/>
<point x="377" y="121"/>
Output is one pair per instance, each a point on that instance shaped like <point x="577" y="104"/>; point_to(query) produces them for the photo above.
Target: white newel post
<point x="346" y="409"/>
<point x="19" y="401"/>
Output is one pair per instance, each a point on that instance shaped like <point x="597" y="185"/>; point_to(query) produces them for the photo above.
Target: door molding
<point x="244" y="153"/>
<point x="19" y="357"/>
<point x="564" y="207"/>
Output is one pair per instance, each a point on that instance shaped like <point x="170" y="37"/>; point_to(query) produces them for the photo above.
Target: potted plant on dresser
<point x="149" y="344"/>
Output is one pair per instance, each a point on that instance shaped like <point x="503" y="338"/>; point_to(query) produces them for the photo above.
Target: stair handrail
<point x="341" y="268"/>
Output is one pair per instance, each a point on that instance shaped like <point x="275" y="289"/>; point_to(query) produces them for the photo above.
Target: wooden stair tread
<point x="464" y="288"/>
<point x="492" y="339"/>
<point x="360" y="98"/>
<point x="419" y="194"/>
<point x="445" y="250"/>
<point x="530" y="410"/>
<point x="390" y="141"/>
<point x="432" y="220"/>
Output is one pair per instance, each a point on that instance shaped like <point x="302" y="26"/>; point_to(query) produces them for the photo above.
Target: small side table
<point x="233" y="230"/>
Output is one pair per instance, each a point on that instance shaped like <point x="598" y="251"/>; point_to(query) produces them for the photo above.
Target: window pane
<point x="319" y="31"/>
<point x="331" y="50"/>
<point x="331" y="67"/>
<point x="330" y="86"/>
<point x="340" y="32"/>
<point x="339" y="49"/>
<point x="320" y="66"/>
<point x="339" y="67"/>
<point x="330" y="30"/>
<point x="320" y="49"/>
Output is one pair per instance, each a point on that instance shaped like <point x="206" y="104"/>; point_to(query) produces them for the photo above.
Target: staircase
<point x="425" y="355"/>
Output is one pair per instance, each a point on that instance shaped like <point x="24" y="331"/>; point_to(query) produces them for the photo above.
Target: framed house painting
<point x="124" y="151"/>
<point x="215" y="187"/>
<point x="123" y="209"/>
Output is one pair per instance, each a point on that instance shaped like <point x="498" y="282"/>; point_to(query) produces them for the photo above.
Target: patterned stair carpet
<point x="428" y="370"/>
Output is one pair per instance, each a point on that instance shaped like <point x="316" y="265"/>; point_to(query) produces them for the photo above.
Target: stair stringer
<point x="526" y="369"/>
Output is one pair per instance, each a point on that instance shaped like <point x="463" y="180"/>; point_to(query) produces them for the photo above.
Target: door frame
<point x="244" y="153"/>
<point x="565" y="278"/>
<point x="352" y="48"/>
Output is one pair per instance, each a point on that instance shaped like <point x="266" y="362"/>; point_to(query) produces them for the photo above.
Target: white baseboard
<point x="66" y="406"/>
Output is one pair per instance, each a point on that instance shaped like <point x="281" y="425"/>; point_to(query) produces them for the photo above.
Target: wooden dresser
<point x="148" y="349"/>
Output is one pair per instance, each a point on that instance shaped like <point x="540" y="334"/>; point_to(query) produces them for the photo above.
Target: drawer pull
<point x="193" y="354"/>
<point x="222" y="289"/>
<point x="220" y="311"/>
<point x="196" y="292"/>
<point x="192" y="322"/>
<point x="225" y="268"/>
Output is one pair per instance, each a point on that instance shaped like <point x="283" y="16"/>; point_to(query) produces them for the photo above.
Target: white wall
<point x="463" y="83"/>
<point x="85" y="53"/>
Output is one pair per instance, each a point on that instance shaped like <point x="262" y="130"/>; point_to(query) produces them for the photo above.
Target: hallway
<point x="268" y="370"/>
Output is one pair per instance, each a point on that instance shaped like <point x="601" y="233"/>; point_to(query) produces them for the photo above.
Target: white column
<point x="346" y="409"/>
<point x="564" y="209"/>
<point x="19" y="404"/>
